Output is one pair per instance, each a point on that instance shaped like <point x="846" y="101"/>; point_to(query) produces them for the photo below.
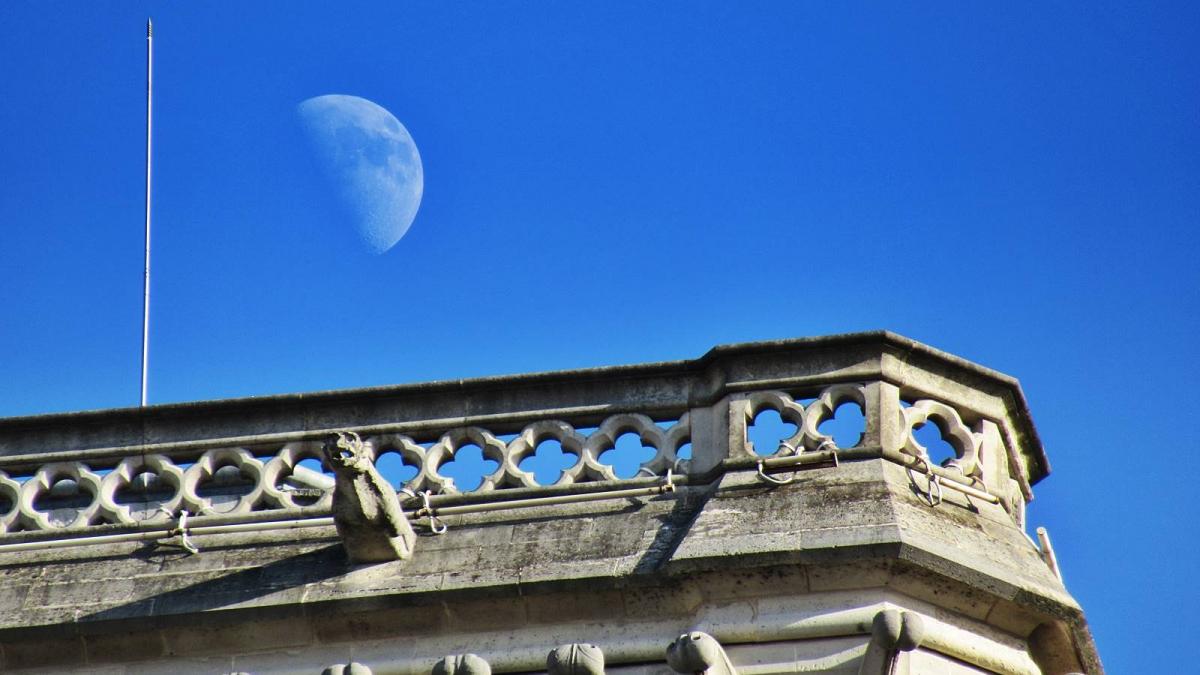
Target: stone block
<point x="558" y="608"/>
<point x="178" y="665"/>
<point x="575" y="529"/>
<point x="236" y="637"/>
<point x="851" y="574"/>
<point x="941" y="592"/>
<point x="81" y="595"/>
<point x="477" y="577"/>
<point x="64" y="653"/>
<point x="1012" y="618"/>
<point x="123" y="647"/>
<point x="485" y="614"/>
<point x="661" y="601"/>
<point x="752" y="583"/>
<point x="366" y="584"/>
<point x="574" y="572"/>
<point x="331" y="626"/>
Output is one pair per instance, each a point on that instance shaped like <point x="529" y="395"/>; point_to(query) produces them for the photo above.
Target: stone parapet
<point x="237" y="460"/>
<point x="188" y="529"/>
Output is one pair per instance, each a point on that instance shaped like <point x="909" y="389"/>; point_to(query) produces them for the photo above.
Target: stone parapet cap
<point x="587" y="396"/>
<point x="242" y="462"/>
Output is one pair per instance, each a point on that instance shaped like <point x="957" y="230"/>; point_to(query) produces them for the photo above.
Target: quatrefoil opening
<point x="536" y="444"/>
<point x="953" y="430"/>
<point x="225" y="480"/>
<point x="411" y="454"/>
<point x="140" y="489"/>
<point x="73" y="504"/>
<point x="661" y="443"/>
<point x="549" y="462"/>
<point x="454" y="454"/>
<point x="769" y="439"/>
<point x="825" y="408"/>
<point x="289" y="484"/>
<point x="10" y="496"/>
<point x="395" y="469"/>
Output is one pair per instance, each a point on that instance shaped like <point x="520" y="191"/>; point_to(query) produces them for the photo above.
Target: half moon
<point x="371" y="159"/>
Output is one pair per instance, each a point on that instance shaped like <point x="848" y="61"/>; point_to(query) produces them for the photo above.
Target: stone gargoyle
<point x="366" y="511"/>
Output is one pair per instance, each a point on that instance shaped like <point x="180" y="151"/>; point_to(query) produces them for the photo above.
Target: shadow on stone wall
<point x="238" y="589"/>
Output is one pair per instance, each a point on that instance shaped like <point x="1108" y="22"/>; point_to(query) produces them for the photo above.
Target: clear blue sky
<point x="616" y="183"/>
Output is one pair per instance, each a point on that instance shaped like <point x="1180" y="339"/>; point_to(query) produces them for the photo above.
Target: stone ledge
<point x="837" y="524"/>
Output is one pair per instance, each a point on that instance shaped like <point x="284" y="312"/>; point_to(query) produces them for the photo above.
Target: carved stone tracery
<point x="234" y="481"/>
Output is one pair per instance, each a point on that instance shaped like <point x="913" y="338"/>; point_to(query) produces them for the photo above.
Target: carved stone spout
<point x="366" y="511"/>
<point x="576" y="659"/>
<point x="892" y="633"/>
<point x="462" y="664"/>
<point x="697" y="652"/>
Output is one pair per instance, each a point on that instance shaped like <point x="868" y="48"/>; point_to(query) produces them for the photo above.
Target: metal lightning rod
<point x="146" y="277"/>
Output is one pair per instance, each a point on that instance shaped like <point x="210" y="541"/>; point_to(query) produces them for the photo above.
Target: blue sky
<point x="614" y="183"/>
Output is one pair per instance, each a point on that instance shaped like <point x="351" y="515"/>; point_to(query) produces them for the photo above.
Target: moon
<point x="371" y="160"/>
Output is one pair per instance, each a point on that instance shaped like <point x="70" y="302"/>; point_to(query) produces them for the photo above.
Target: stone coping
<point x="586" y="394"/>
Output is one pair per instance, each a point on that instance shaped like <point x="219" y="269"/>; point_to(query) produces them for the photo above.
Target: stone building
<point x="190" y="538"/>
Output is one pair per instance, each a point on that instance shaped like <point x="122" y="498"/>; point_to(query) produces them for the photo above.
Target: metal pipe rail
<point x="157" y="531"/>
<point x="434" y="507"/>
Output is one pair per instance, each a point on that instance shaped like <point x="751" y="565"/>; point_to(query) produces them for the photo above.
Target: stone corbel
<point x="1050" y="647"/>
<point x="462" y="664"/>
<point x="696" y="652"/>
<point x="352" y="668"/>
<point x="892" y="633"/>
<point x="576" y="659"/>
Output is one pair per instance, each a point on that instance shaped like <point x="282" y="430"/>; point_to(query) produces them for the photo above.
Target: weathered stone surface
<point x="1050" y="646"/>
<point x="804" y="566"/>
<point x="462" y="664"/>
<point x="698" y="652"/>
<point x="352" y="668"/>
<point x="892" y="633"/>
<point x="576" y="659"/>
<point x="819" y="534"/>
<point x="368" y="516"/>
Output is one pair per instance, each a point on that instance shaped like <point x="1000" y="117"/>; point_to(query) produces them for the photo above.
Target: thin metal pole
<point x="1048" y="552"/>
<point x="146" y="277"/>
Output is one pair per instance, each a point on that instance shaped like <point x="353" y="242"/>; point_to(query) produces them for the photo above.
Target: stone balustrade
<point x="753" y="529"/>
<point x="241" y="460"/>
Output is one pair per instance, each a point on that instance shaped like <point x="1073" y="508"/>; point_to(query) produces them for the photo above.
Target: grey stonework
<point x="462" y="664"/>
<point x="698" y="652"/>
<point x="366" y="511"/>
<point x="351" y="668"/>
<point x="892" y="634"/>
<point x="785" y="557"/>
<point x="576" y="659"/>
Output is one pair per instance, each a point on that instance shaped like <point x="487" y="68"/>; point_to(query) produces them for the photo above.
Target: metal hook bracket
<point x="436" y="525"/>
<point x="933" y="493"/>
<point x="180" y="530"/>
<point x="769" y="479"/>
<point x="669" y="486"/>
<point x="975" y="480"/>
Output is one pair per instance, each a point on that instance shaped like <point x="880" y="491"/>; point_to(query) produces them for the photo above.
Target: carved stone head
<point x="345" y="452"/>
